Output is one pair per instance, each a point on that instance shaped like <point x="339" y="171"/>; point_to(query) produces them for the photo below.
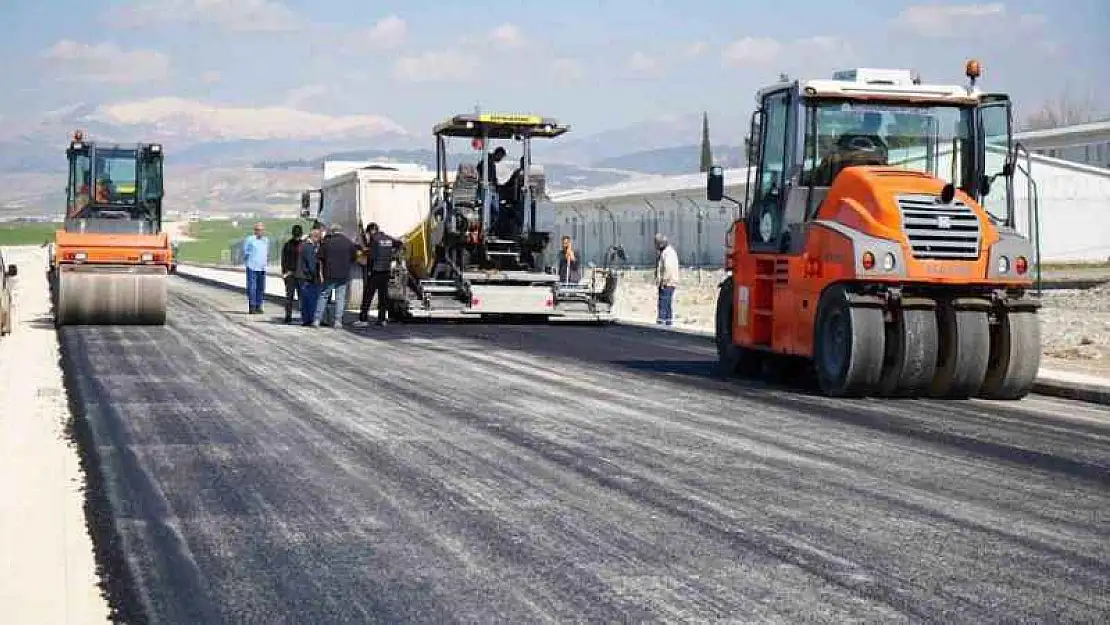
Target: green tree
<point x="706" y="151"/>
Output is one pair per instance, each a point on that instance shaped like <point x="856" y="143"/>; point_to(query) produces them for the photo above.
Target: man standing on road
<point x="337" y="255"/>
<point x="568" y="263"/>
<point x="308" y="275"/>
<point x="256" y="257"/>
<point x="290" y="256"/>
<point x="666" y="278"/>
<point x="380" y="248"/>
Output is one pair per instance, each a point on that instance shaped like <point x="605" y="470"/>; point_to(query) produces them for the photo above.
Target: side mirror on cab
<point x="12" y="271"/>
<point x="715" y="184"/>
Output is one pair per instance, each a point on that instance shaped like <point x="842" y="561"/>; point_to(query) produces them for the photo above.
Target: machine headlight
<point x="888" y="262"/>
<point x="148" y="257"/>
<point x="1003" y="264"/>
<point x="80" y="256"/>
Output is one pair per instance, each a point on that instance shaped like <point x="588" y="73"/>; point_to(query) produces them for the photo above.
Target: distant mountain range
<point x="217" y="162"/>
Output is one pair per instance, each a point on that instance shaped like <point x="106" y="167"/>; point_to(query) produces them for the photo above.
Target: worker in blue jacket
<point x="256" y="257"/>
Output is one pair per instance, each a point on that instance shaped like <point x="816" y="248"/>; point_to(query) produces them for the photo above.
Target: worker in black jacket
<point x="337" y="259"/>
<point x="379" y="250"/>
<point x="290" y="256"/>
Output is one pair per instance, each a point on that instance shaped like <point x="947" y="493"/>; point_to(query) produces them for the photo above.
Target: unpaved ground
<point x="47" y="572"/>
<point x="1076" y="323"/>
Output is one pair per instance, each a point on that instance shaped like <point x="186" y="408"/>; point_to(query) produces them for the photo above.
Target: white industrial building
<point x="1086" y="144"/>
<point x="1074" y="204"/>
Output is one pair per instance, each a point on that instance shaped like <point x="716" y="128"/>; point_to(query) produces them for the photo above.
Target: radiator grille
<point x="940" y="231"/>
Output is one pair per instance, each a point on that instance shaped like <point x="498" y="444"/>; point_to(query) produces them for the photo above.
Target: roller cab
<point x="878" y="240"/>
<point x="111" y="260"/>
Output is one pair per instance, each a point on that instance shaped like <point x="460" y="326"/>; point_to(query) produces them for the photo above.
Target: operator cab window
<point x="776" y="157"/>
<point x="930" y="139"/>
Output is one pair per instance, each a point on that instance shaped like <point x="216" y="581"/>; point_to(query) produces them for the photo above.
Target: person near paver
<point x="666" y="279"/>
<point x="256" y="258"/>
<point x="308" y="275"/>
<point x="337" y="259"/>
<point x="290" y="256"/>
<point x="380" y="249"/>
<point x="568" y="263"/>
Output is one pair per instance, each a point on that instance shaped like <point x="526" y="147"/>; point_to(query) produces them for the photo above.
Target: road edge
<point x="114" y="570"/>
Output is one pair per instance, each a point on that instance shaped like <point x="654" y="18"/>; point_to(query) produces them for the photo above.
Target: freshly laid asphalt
<point x="255" y="472"/>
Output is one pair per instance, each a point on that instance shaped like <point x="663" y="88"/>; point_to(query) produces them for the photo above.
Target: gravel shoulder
<point x="1075" y="323"/>
<point x="47" y="566"/>
<point x="268" y="473"/>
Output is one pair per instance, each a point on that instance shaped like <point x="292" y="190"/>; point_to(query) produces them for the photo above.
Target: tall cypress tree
<point x="706" y="152"/>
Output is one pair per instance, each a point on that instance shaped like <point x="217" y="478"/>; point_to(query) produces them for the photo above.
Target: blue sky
<point x="595" y="64"/>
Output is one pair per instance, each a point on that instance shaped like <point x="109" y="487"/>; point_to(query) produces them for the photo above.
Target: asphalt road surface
<point x="266" y="473"/>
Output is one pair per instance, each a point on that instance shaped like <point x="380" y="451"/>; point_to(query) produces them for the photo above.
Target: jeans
<point x="666" y="305"/>
<point x="310" y="291"/>
<point x="340" y="290"/>
<point x="256" y="288"/>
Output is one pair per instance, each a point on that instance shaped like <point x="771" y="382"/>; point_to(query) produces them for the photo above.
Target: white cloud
<point x="695" y="49"/>
<point x="934" y="20"/>
<point x="107" y="62"/>
<point x="436" y="66"/>
<point x="507" y="36"/>
<point x="566" y="72"/>
<point x="231" y="15"/>
<point x="388" y="33"/>
<point x="195" y="120"/>
<point x="644" y="64"/>
<point x="211" y="77"/>
<point x="297" y="98"/>
<point x="751" y="51"/>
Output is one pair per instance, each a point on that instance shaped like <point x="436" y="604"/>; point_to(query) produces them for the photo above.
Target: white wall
<point x="635" y="211"/>
<point x="1074" y="215"/>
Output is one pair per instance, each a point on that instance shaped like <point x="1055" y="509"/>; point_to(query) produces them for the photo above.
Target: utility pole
<point x="706" y="152"/>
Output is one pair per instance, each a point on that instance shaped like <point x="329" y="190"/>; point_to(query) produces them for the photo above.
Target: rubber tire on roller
<point x="731" y="358"/>
<point x="853" y="366"/>
<point x="1015" y="356"/>
<point x="911" y="353"/>
<point x="963" y="352"/>
<point x="89" y="298"/>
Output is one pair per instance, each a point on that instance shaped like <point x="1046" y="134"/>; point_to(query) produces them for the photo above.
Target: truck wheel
<point x="963" y="350"/>
<point x="1015" y="356"/>
<point x="848" y="345"/>
<point x="731" y="358"/>
<point x="911" y="352"/>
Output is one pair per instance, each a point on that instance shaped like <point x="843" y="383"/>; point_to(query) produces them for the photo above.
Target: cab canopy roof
<point x="894" y="85"/>
<point x="500" y="126"/>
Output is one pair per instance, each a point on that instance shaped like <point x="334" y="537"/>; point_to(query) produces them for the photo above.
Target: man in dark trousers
<point x="308" y="275"/>
<point x="380" y="248"/>
<point x="290" y="255"/>
<point x="337" y="259"/>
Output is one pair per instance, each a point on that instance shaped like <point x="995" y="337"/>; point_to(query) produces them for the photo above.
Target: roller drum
<point x="111" y="296"/>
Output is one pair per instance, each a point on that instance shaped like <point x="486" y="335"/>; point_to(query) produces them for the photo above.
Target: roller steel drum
<point x="111" y="295"/>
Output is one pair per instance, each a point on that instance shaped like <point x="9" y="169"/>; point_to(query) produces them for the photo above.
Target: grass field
<point x="212" y="244"/>
<point x="214" y="239"/>
<point x="26" y="232"/>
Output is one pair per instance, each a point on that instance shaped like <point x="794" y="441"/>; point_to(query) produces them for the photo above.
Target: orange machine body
<point x="100" y="248"/>
<point x="777" y="294"/>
